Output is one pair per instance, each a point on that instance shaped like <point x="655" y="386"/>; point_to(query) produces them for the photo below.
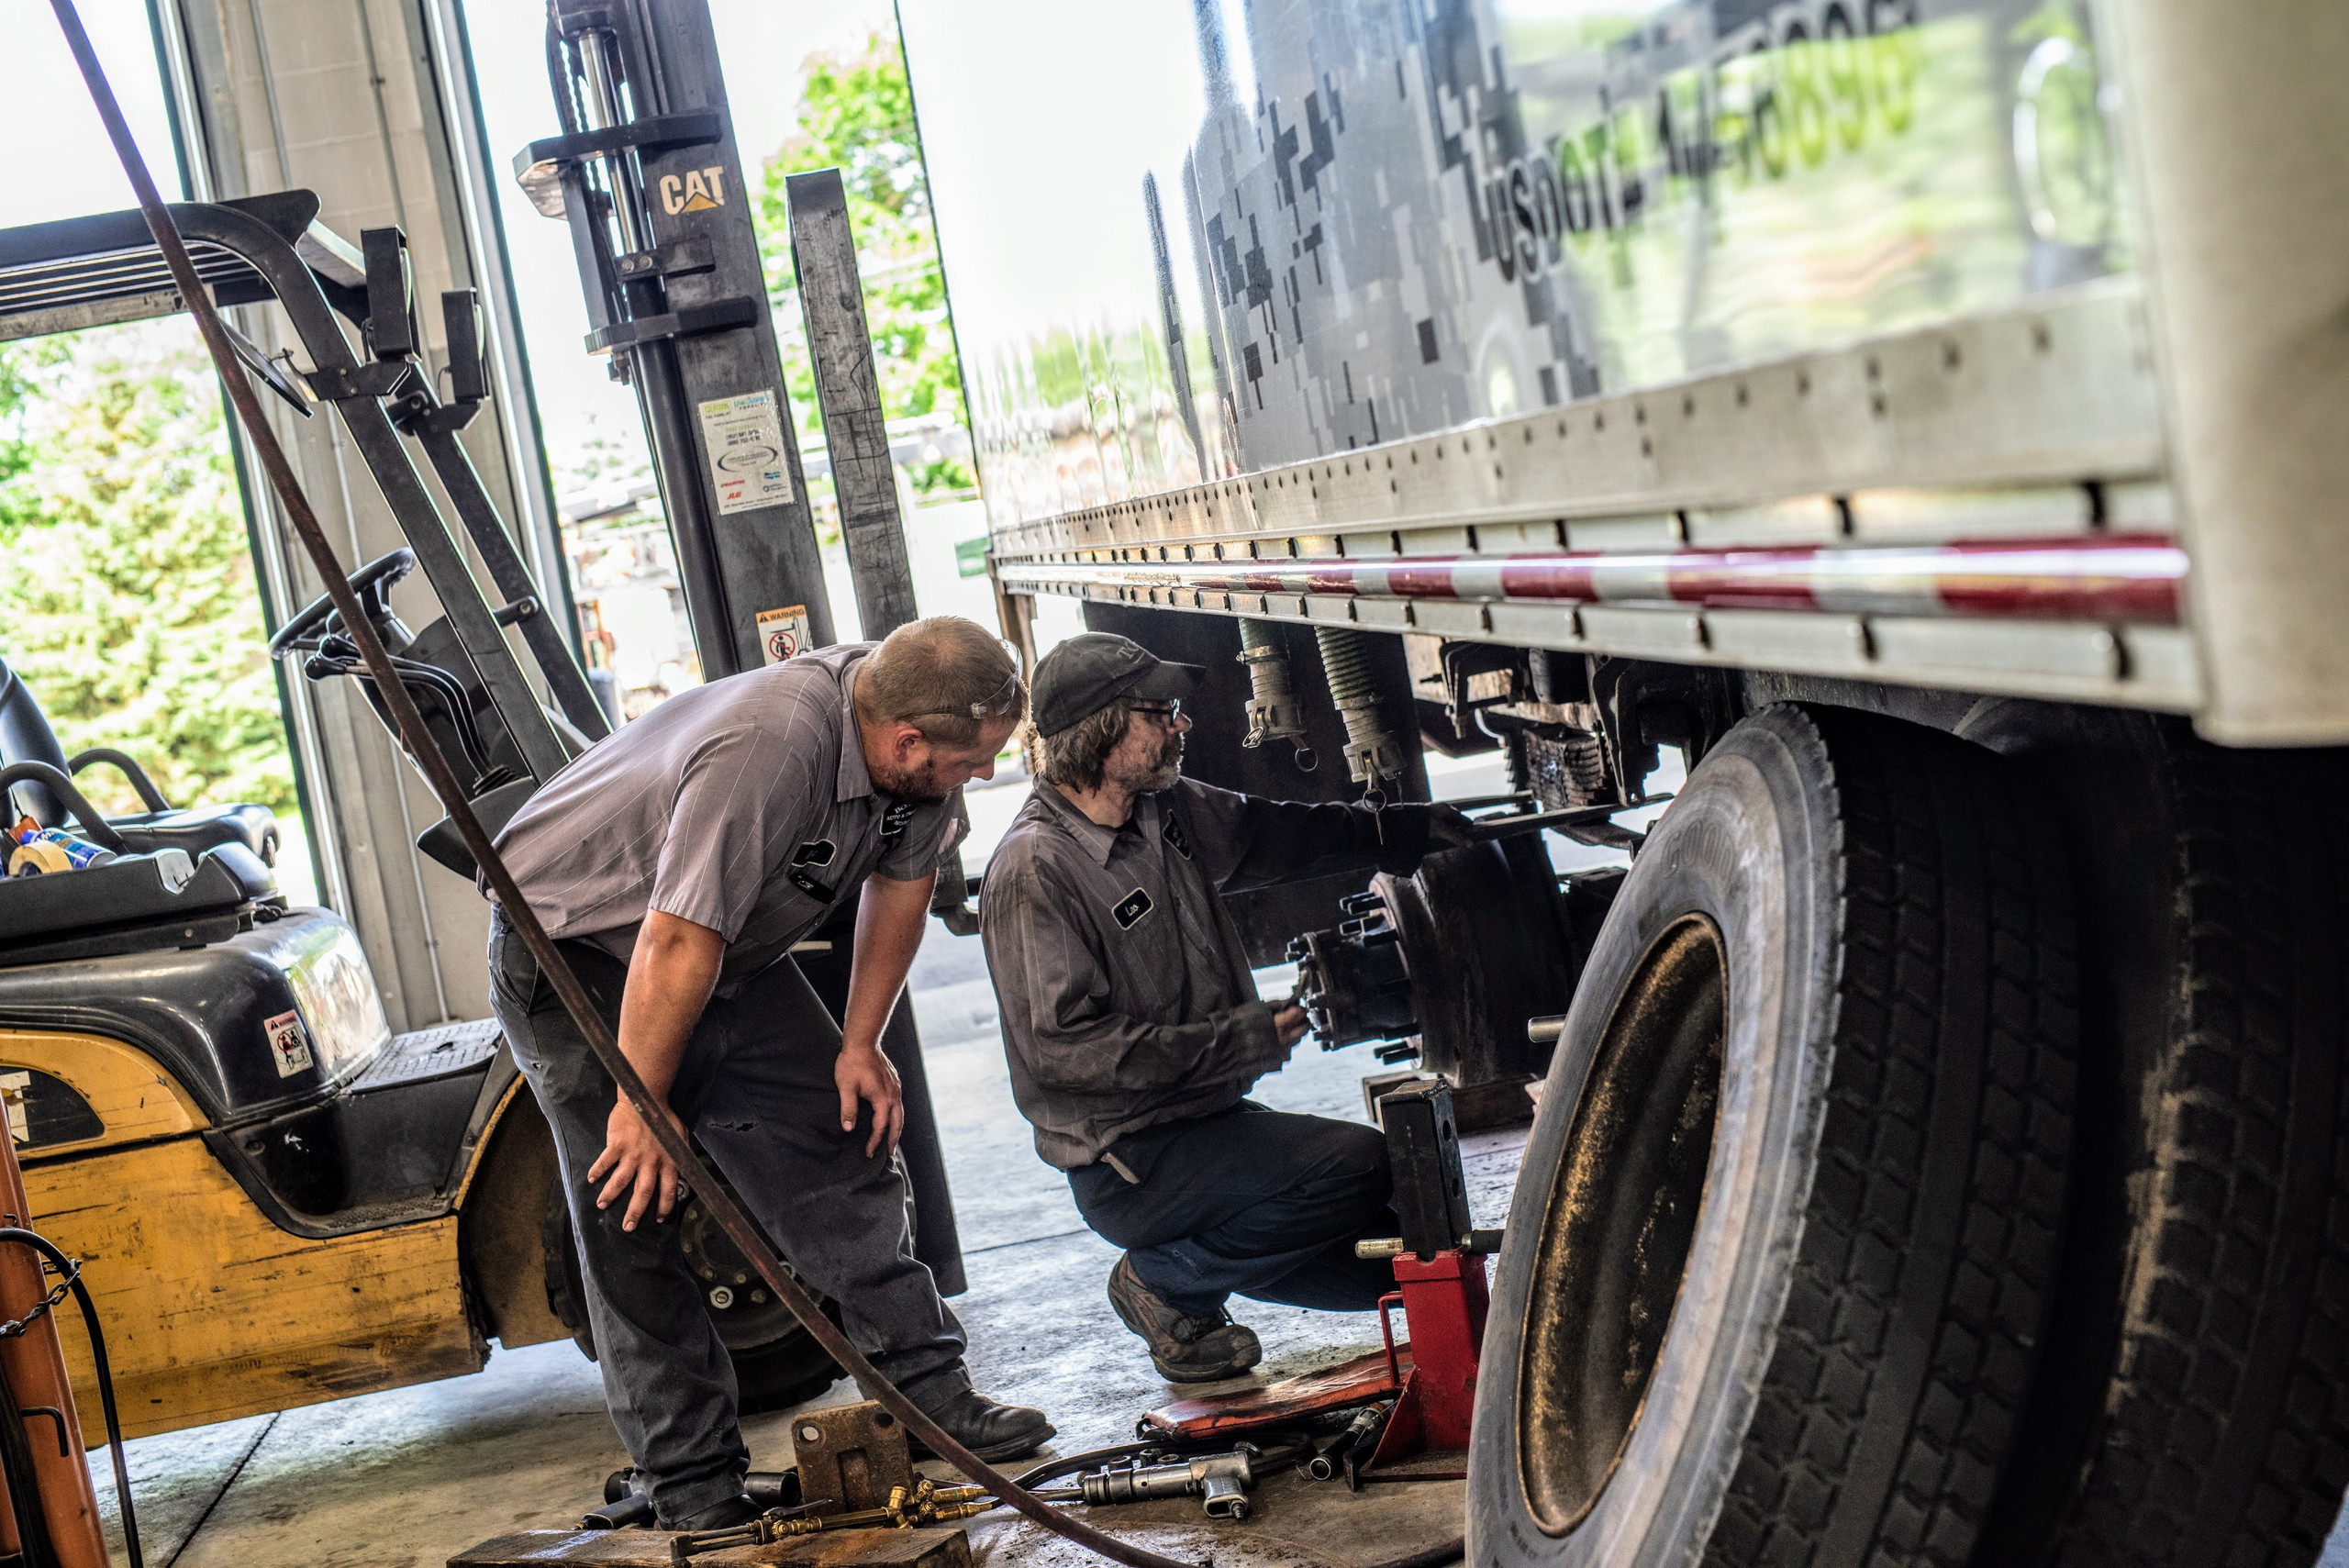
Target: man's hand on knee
<point x="863" y="1073"/>
<point x="636" y="1168"/>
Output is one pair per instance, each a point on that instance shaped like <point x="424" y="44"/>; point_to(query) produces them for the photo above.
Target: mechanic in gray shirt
<point x="1134" y="1027"/>
<point x="677" y="861"/>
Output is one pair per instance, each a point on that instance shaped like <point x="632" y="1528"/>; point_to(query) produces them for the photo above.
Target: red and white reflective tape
<point x="2131" y="579"/>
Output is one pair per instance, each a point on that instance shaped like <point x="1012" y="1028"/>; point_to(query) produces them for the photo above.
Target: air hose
<point x="409" y="723"/>
<point x="1272" y="710"/>
<point x="1371" y="754"/>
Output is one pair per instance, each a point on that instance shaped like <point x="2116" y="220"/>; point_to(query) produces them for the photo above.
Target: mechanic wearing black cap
<point x="1134" y="1027"/>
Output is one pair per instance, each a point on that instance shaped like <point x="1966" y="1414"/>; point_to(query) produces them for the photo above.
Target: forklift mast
<point x="648" y="179"/>
<point x="647" y="175"/>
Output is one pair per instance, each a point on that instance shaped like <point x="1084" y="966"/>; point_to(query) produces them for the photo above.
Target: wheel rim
<point x="1623" y="1211"/>
<point x="745" y="1312"/>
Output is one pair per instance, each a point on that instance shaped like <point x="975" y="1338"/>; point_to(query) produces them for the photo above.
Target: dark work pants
<point x="1247" y="1202"/>
<point x="756" y="1089"/>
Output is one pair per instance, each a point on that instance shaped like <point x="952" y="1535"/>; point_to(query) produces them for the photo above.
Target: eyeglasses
<point x="1166" y="715"/>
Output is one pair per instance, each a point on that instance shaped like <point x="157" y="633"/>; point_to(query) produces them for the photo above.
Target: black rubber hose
<point x="105" y="1372"/>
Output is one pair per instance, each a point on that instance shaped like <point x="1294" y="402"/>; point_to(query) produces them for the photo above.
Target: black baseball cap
<point x="1089" y="672"/>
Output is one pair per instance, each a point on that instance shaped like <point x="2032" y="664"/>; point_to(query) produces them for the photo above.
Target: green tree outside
<point x="856" y="115"/>
<point x="127" y="604"/>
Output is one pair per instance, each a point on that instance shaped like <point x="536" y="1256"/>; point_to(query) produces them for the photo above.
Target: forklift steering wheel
<point x="372" y="583"/>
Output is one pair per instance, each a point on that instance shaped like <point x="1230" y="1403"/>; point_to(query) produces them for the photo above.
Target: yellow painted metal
<point x="134" y="1099"/>
<point x="211" y="1311"/>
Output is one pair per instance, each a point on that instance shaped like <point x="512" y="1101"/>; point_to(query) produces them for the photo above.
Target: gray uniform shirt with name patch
<point x="743" y="806"/>
<point x="1123" y="986"/>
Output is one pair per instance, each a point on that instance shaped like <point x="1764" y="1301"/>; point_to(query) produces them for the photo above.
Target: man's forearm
<point x="670" y="977"/>
<point x="1114" y="1052"/>
<point x="888" y="933"/>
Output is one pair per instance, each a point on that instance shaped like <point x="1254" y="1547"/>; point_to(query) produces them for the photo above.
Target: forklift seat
<point x="26" y="736"/>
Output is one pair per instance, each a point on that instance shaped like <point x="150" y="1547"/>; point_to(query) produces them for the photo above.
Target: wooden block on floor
<point x="650" y="1549"/>
<point x="636" y="1548"/>
<point x="935" y="1548"/>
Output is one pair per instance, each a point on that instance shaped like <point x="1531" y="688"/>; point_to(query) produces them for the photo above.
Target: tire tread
<point x="1784" y="1493"/>
<point x="2263" y="865"/>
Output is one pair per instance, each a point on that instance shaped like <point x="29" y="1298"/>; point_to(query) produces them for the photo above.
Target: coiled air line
<point x="1372" y="754"/>
<point x="1273" y="711"/>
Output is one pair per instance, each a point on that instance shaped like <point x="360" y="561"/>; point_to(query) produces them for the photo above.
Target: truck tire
<point x="776" y="1362"/>
<point x="1782" y="1247"/>
<point x="2192" y="1417"/>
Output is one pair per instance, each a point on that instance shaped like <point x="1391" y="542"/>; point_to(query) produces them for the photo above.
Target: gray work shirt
<point x="742" y="806"/>
<point x="1123" y="986"/>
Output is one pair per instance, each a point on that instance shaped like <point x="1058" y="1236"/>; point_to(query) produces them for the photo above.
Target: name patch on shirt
<point x="1129" y="910"/>
<point x="816" y="853"/>
<point x="1174" y="836"/>
<point x="894" y="820"/>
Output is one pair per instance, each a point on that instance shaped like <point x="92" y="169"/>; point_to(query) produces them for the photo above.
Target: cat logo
<point x="699" y="191"/>
<point x="1173" y="835"/>
<point x="1129" y="910"/>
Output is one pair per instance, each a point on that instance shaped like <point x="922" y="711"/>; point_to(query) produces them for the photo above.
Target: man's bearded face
<point x="917" y="786"/>
<point x="1150" y="756"/>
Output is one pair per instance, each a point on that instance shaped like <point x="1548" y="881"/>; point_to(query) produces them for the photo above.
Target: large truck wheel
<point x="776" y="1362"/>
<point x="1788" y="1219"/>
<point x="2191" y="1413"/>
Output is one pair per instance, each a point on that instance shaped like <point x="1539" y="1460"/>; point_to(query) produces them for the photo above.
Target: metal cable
<point x="557" y="970"/>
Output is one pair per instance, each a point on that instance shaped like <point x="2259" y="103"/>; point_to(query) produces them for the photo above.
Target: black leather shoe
<point x="991" y="1431"/>
<point x="723" y="1514"/>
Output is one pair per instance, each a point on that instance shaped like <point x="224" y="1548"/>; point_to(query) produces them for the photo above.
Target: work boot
<point x="991" y="1431"/>
<point x="1184" y="1349"/>
<point x="723" y="1514"/>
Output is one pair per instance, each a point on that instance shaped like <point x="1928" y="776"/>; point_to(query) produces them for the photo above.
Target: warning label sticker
<point x="744" y="438"/>
<point x="784" y="633"/>
<point x="289" y="1043"/>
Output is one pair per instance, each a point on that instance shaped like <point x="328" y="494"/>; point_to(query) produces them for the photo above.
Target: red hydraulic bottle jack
<point x="1439" y="1263"/>
<point x="1440" y="1273"/>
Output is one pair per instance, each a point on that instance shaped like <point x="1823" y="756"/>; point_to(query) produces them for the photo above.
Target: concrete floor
<point x="405" y="1478"/>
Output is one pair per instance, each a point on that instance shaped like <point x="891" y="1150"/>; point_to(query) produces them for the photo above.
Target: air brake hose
<point x="1273" y="711"/>
<point x="1371" y="754"/>
<point x="409" y="723"/>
